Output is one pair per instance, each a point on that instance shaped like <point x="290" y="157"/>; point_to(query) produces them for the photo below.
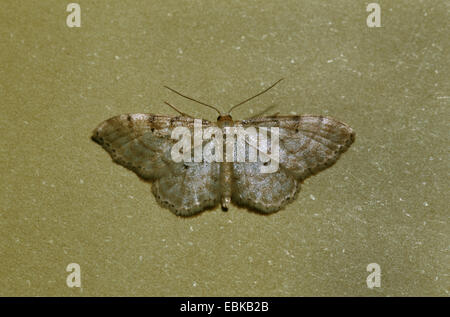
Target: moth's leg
<point x="260" y="114"/>
<point x="274" y="115"/>
<point x="226" y="176"/>
<point x="182" y="113"/>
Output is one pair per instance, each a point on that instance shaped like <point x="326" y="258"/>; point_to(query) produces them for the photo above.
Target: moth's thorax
<point x="224" y="121"/>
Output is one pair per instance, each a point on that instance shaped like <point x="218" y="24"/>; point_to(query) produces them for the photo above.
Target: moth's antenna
<point x="265" y="90"/>
<point x="173" y="107"/>
<point x="202" y="103"/>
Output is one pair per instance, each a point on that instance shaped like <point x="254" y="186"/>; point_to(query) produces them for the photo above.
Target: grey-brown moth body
<point x="142" y="143"/>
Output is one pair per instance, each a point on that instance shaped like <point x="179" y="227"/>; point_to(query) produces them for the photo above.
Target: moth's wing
<point x="143" y="143"/>
<point x="189" y="188"/>
<point x="265" y="193"/>
<point x="307" y="145"/>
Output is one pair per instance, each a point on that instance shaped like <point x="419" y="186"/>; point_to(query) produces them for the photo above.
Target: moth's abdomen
<point x="226" y="179"/>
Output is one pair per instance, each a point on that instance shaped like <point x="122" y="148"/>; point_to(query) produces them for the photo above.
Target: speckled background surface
<point x="62" y="200"/>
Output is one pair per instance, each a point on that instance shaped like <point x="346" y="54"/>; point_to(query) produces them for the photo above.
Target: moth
<point x="142" y="143"/>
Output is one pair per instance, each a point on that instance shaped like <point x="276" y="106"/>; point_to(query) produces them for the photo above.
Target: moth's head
<point x="224" y="117"/>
